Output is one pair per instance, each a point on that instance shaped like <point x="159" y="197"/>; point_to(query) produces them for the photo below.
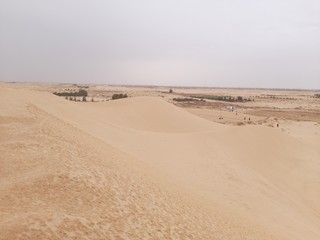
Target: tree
<point x="170" y="91"/>
<point x="84" y="99"/>
<point x="239" y="99"/>
<point x="83" y="92"/>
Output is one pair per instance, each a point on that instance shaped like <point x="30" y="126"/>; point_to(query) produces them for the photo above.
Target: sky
<point x="210" y="43"/>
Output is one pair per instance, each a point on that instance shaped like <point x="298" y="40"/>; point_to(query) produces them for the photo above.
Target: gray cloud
<point x="207" y="43"/>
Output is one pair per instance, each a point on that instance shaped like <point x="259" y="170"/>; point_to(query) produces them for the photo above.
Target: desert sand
<point x="145" y="167"/>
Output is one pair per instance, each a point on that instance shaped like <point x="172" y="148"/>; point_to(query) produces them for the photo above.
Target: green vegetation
<point x="80" y="93"/>
<point x="118" y="96"/>
<point x="184" y="99"/>
<point x="224" y="98"/>
<point x="82" y="86"/>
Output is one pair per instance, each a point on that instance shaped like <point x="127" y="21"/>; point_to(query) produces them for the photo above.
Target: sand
<point x="143" y="168"/>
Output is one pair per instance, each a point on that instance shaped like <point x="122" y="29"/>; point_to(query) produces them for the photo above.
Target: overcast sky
<point x="226" y="43"/>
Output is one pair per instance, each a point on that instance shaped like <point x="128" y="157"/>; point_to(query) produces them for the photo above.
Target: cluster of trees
<point x="265" y="96"/>
<point x="317" y="95"/>
<point x="84" y="99"/>
<point x="225" y="98"/>
<point x="80" y="93"/>
<point x="118" y="96"/>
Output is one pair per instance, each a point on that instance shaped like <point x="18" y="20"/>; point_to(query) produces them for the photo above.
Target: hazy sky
<point x="226" y="43"/>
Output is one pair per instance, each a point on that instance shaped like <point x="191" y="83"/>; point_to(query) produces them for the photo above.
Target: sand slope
<point x="142" y="167"/>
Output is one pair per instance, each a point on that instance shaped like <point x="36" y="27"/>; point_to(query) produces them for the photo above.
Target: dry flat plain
<point x="151" y="167"/>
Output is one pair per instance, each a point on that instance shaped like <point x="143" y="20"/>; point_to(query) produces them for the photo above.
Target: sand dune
<point x="141" y="167"/>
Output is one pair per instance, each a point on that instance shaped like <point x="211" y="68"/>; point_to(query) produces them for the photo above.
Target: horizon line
<point x="168" y="86"/>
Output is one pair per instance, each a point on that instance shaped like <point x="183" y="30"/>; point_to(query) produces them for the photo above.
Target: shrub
<point x="118" y="96"/>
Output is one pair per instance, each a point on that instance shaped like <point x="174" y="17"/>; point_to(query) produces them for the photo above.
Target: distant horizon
<point x="163" y="86"/>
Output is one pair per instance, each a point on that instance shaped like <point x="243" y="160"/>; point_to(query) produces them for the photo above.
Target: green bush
<point x="118" y="96"/>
